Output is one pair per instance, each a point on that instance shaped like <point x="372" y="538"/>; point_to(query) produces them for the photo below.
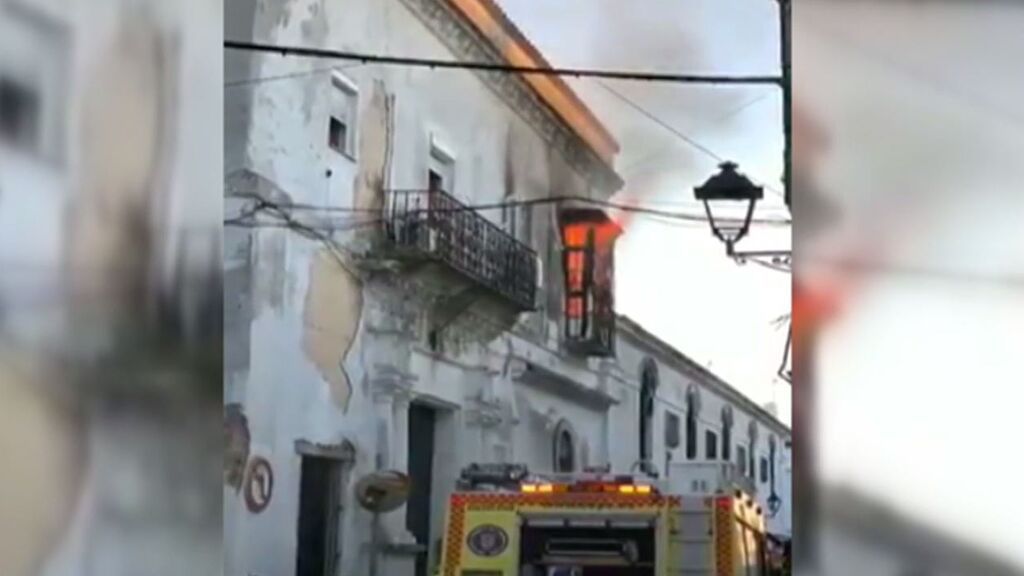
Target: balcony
<point x="434" y="225"/>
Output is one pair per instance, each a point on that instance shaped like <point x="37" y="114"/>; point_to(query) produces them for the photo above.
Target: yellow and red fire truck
<point x="504" y="522"/>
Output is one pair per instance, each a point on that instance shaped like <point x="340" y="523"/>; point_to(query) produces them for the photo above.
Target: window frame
<point x="710" y="444"/>
<point x="692" y="423"/>
<point x="344" y="93"/>
<point x="564" y="430"/>
<point x="648" y="407"/>
<point x="443" y="162"/>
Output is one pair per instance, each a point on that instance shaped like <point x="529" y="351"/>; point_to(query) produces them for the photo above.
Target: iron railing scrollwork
<point x="436" y="225"/>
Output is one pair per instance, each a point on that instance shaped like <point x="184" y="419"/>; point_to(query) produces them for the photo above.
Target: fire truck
<point x="504" y="521"/>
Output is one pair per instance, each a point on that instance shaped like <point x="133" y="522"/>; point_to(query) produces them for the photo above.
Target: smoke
<point x="733" y="37"/>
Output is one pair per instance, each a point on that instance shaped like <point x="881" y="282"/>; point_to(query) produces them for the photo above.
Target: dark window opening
<point x="727" y="433"/>
<point x="672" y="430"/>
<point x="741" y="459"/>
<point x="710" y="445"/>
<point x="338" y="136"/>
<point x="764" y="470"/>
<point x="19" y="114"/>
<point x="648" y="391"/>
<point x="435" y="182"/>
<point x="565" y="449"/>
<point x="422" y="421"/>
<point x="691" y="425"/>
<point x="319" y="516"/>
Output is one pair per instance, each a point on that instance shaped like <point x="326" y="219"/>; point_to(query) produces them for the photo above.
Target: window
<point x="741" y="459"/>
<point x="648" y="390"/>
<point x="692" y="408"/>
<point x="764" y="470"/>
<point x="565" y="448"/>
<point x="338" y="137"/>
<point x="34" y="74"/>
<point x="441" y="169"/>
<point x="710" y="445"/>
<point x="727" y="433"/>
<point x="19" y="114"/>
<point x="752" y="440"/>
<point x="588" y="260"/>
<point x="672" y="430"/>
<point x="344" y="106"/>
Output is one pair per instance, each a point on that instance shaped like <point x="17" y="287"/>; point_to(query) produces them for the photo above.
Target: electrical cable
<point x="366" y="58"/>
<point x="532" y="202"/>
<point x="651" y="157"/>
<point x="672" y="129"/>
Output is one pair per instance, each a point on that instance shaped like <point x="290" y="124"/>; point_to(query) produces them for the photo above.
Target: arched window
<point x="648" y="390"/>
<point x="692" y="411"/>
<point x="727" y="433"/>
<point x="752" y="437"/>
<point x="774" y="502"/>
<point x="565" y="448"/>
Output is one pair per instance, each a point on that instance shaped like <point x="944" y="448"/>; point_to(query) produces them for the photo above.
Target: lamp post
<point x="729" y="189"/>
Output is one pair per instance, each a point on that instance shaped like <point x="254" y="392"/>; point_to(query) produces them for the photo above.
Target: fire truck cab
<point x="503" y="521"/>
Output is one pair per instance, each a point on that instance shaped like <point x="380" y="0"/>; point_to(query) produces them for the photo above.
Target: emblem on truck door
<point x="487" y="540"/>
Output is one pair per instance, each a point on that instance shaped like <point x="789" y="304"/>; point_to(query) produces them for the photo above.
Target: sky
<point x="673" y="277"/>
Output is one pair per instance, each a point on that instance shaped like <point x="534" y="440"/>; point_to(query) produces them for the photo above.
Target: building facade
<point x="402" y="293"/>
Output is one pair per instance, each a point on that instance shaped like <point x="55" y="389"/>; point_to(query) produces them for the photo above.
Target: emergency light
<point x="588" y="487"/>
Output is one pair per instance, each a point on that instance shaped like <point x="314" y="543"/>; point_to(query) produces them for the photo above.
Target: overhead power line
<point x="659" y="154"/>
<point x="516" y="203"/>
<point x="672" y="129"/>
<point x="366" y="58"/>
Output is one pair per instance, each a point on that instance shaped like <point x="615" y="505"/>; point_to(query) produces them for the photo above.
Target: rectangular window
<point x="34" y="61"/>
<point x="672" y="430"/>
<point x="764" y="470"/>
<point x="741" y="459"/>
<point x="710" y="445"/>
<point x="344" y="106"/>
<point x="338" y="137"/>
<point x="19" y="114"/>
<point x="441" y="170"/>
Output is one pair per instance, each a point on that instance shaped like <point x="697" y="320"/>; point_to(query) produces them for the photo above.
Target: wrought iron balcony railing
<point x="435" y="225"/>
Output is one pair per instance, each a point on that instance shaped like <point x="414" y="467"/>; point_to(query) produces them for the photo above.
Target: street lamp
<point x="727" y="189"/>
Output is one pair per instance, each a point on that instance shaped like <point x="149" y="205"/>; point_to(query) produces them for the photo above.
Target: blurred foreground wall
<point x="110" y="339"/>
<point x="917" y="408"/>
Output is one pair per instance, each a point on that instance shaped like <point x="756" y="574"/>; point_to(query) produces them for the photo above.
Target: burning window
<point x="588" y="238"/>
